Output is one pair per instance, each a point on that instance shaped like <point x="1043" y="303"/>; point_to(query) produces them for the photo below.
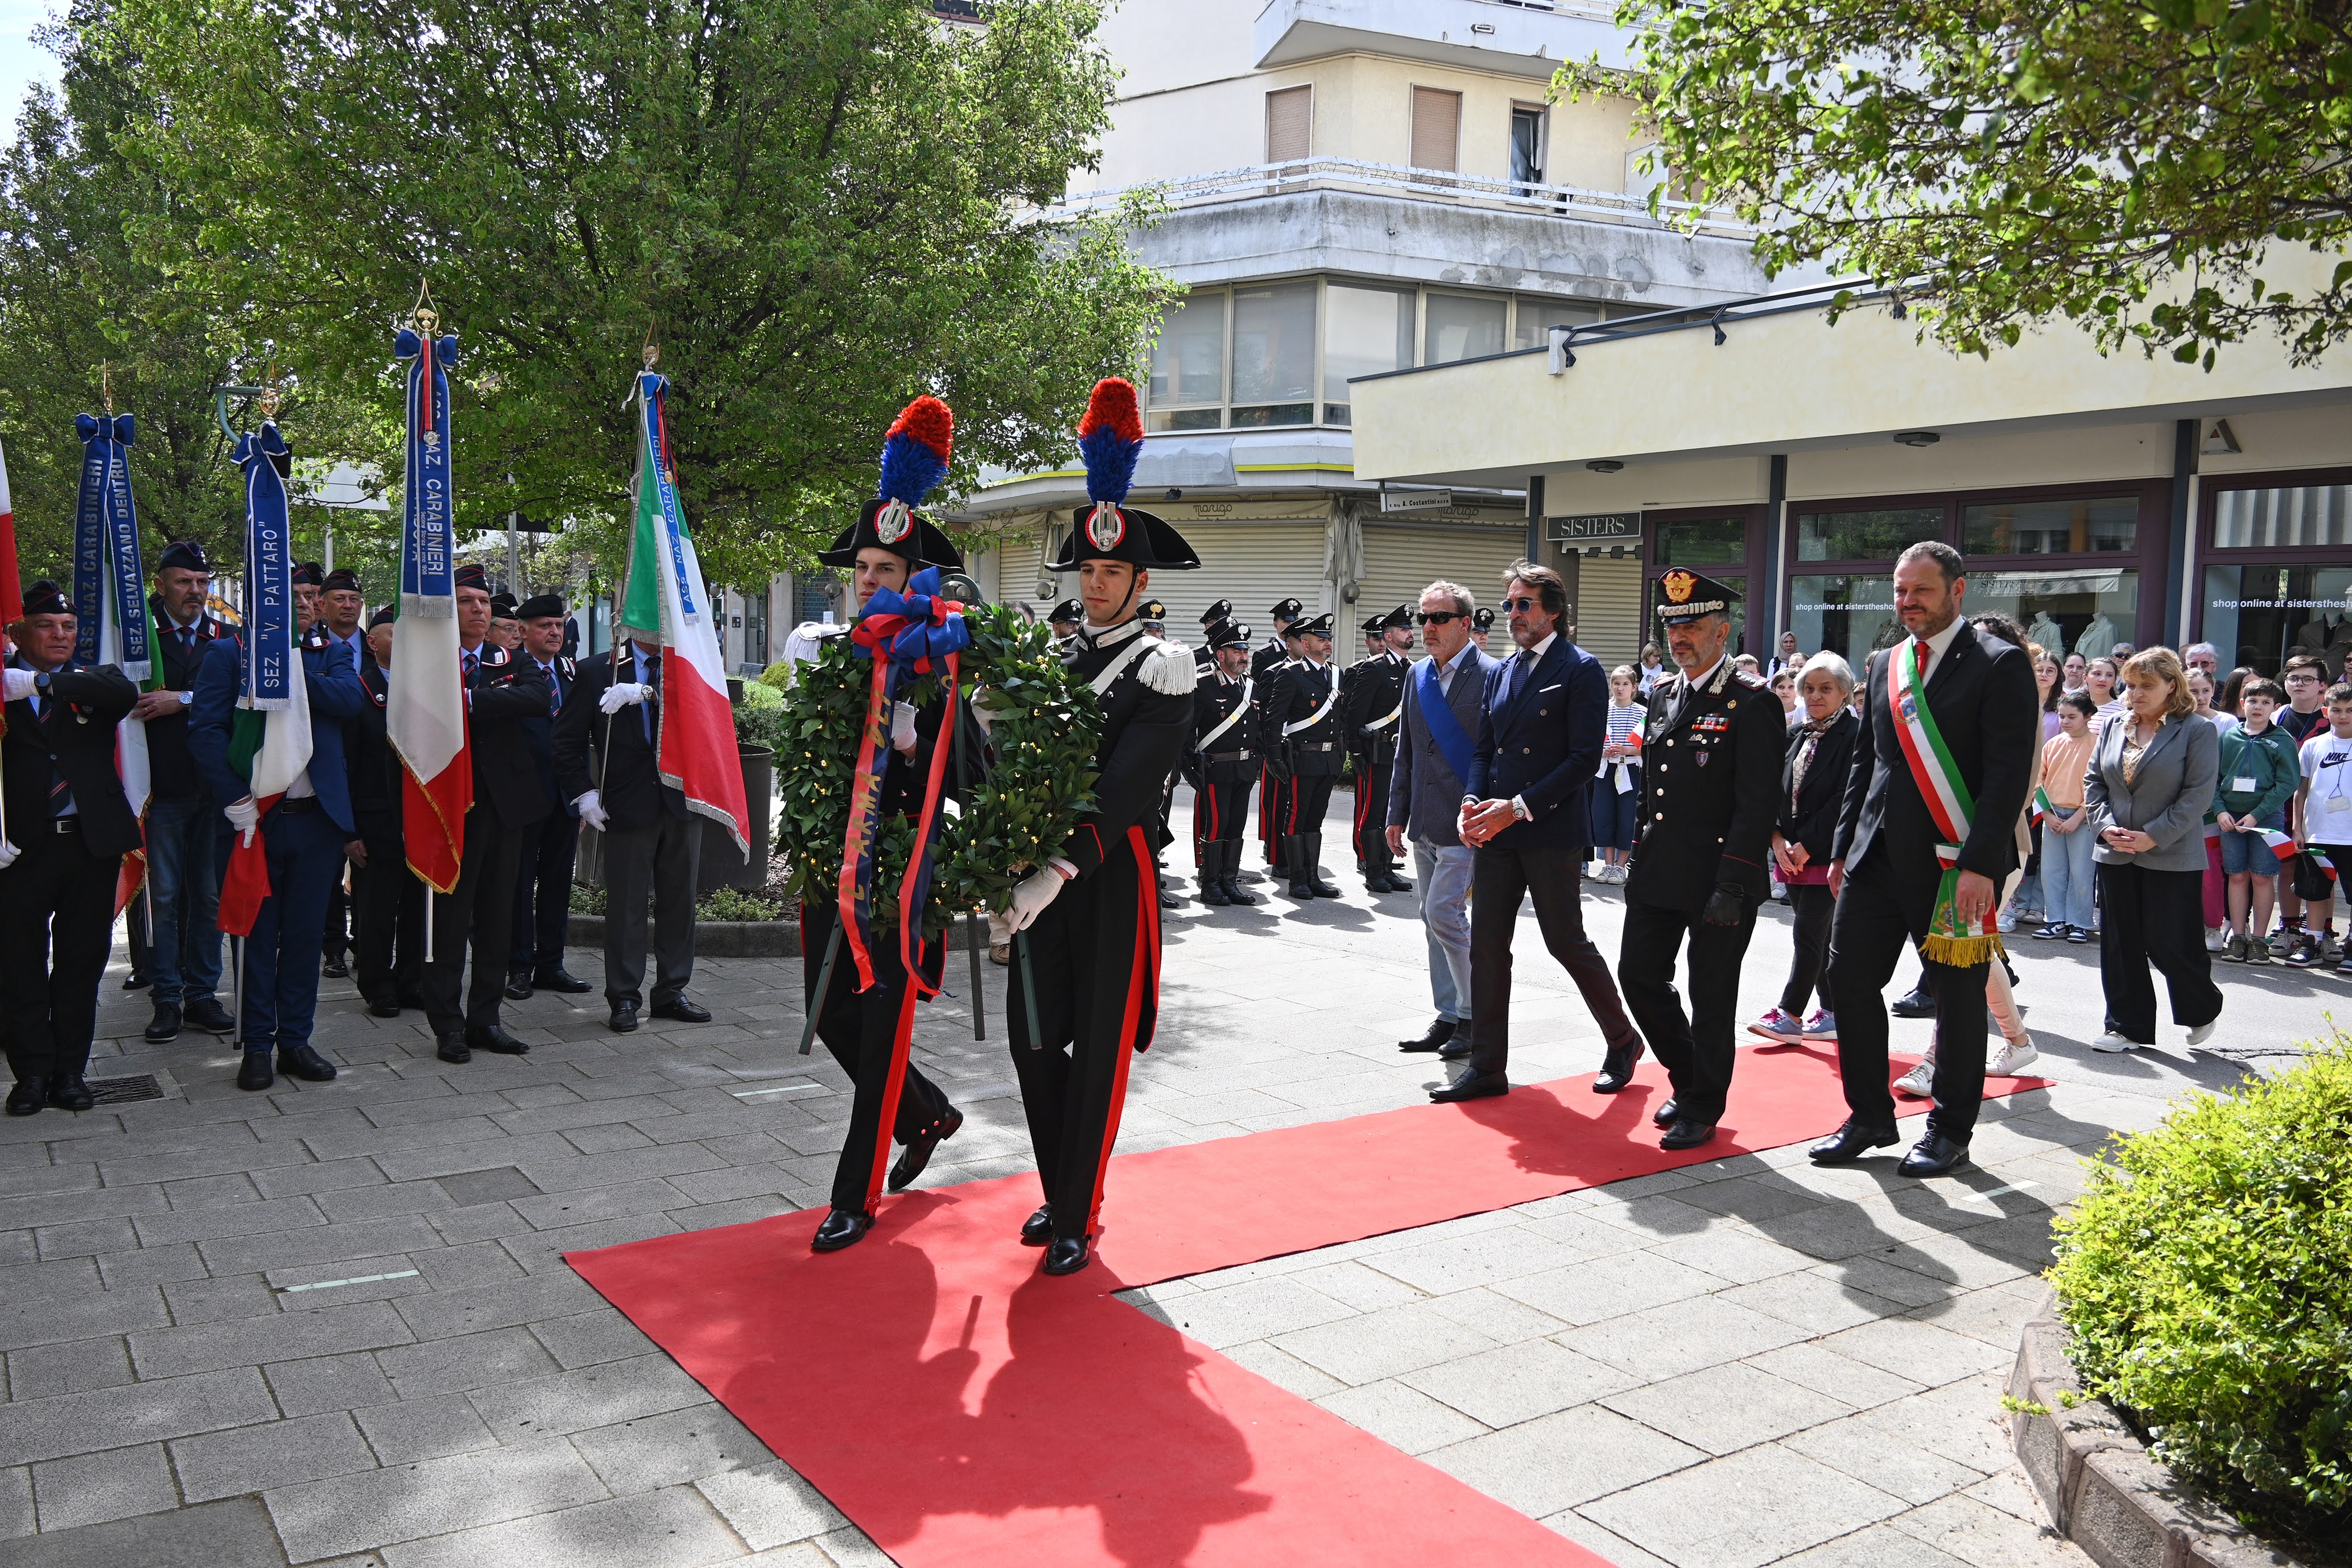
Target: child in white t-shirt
<point x="2323" y="805"/>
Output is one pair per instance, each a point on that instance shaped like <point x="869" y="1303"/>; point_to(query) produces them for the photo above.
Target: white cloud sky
<point x="22" y="61"/>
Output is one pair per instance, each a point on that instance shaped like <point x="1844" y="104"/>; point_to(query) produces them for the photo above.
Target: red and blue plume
<point x="1111" y="438"/>
<point x="915" y="452"/>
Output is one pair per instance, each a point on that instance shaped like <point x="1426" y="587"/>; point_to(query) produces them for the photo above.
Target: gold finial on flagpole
<point x="651" y="353"/>
<point x="106" y="386"/>
<point x="426" y="317"/>
<point x="270" y="397"/>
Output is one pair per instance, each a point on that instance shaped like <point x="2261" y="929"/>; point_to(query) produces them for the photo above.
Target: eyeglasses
<point x="2303" y="678"/>
<point x="1436" y="617"/>
<point x="1520" y="607"/>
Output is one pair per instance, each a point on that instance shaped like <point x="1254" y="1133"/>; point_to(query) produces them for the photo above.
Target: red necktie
<point x="1924" y="653"/>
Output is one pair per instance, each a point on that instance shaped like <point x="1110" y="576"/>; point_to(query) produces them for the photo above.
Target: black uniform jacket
<point x="1296" y="692"/>
<point x="374" y="766"/>
<point x="539" y="732"/>
<point x="1265" y="656"/>
<point x="500" y="699"/>
<point x="1373" y="692"/>
<point x="1710" y="786"/>
<point x="1147" y="717"/>
<point x="75" y="736"/>
<point x="1983" y="696"/>
<point x="169" y="764"/>
<point x="1807" y="813"/>
<point x="1232" y="757"/>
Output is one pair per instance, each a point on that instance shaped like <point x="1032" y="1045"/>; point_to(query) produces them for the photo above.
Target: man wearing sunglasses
<point x="1443" y="696"/>
<point x="1524" y="808"/>
<point x="1371" y="704"/>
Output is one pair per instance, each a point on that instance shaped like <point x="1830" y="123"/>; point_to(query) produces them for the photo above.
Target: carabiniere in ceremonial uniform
<point x="1372" y="710"/>
<point x="1221" y="765"/>
<point x="1303" y="739"/>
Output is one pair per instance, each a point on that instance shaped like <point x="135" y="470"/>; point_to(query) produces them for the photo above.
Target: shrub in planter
<point x="2205" y="1276"/>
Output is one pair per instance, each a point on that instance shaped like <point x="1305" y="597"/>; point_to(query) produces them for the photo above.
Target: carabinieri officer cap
<point x="915" y="453"/>
<point x="1111" y="438"/>
<point x="1224" y="635"/>
<point x="1288" y="610"/>
<point x="1223" y="610"/>
<point x="1319" y="626"/>
<point x="1069" y="612"/>
<point x="1686" y="596"/>
<point x="185" y="554"/>
<point x="1397" y="619"/>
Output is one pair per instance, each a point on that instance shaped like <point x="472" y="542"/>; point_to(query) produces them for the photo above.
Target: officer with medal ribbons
<point x="1371" y="712"/>
<point x="1711" y="749"/>
<point x="1088" y="916"/>
<point x="1223" y="764"/>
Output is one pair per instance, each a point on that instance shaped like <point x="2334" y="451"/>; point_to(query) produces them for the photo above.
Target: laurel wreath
<point x="1044" y="728"/>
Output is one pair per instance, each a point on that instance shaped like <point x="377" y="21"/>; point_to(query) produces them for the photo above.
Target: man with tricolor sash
<point x="1926" y="837"/>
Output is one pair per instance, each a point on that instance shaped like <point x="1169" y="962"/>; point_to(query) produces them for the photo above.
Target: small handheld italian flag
<point x="2042" y="806"/>
<point x="2283" y="845"/>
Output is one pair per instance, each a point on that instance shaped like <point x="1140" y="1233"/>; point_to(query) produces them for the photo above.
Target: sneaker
<point x="1779" y="1025"/>
<point x="2344" y="965"/>
<point x="1618" y="872"/>
<point x="2259" y="951"/>
<point x="2054" y="932"/>
<point x="2330" y="950"/>
<point x="2008" y="921"/>
<point x="2234" y="949"/>
<point x="2077" y="935"/>
<point x="2304" y="953"/>
<point x="1919" y="1083"/>
<point x="2203" y="1032"/>
<point x="2113" y="1043"/>
<point x="2013" y="1057"/>
<point x="2282" y="941"/>
<point x="2217" y="938"/>
<point x="1822" y="1027"/>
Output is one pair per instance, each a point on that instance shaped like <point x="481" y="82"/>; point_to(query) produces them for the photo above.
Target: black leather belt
<point x="65" y="823"/>
<point x="297" y="802"/>
<point x="1231" y="756"/>
<point x="1319" y="745"/>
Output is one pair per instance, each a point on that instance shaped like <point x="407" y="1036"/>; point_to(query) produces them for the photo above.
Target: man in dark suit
<point x="1711" y="748"/>
<point x="1303" y="739"/>
<point x="1424" y="802"/>
<point x="607" y="763"/>
<point x="1887" y="867"/>
<point x="388" y="902"/>
<point x="1524" y="810"/>
<point x="509" y="802"/>
<point x="69" y="828"/>
<point x="303" y="835"/>
<point x="183" y="883"/>
<point x="1370" y="711"/>
<point x="543" y="882"/>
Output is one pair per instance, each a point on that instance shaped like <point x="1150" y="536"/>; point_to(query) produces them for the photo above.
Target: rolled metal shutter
<point x="1253" y="564"/>
<point x="1401" y="559"/>
<point x="1609" y="608"/>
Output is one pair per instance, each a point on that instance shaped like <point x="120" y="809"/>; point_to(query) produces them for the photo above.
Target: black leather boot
<point x="1302" y="869"/>
<point x="1310" y="850"/>
<point x="1231" y="864"/>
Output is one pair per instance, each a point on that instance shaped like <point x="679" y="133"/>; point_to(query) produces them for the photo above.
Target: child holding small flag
<point x="2259" y="775"/>
<point x="2323" y="804"/>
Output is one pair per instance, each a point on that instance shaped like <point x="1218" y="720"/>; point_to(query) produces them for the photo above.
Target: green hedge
<point x="2207" y="1278"/>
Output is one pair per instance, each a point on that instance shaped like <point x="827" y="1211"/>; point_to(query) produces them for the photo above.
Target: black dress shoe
<point x="1398" y="884"/>
<point x="253" y="1072"/>
<point x="840" y="1228"/>
<point x="493" y="1039"/>
<point x="1457" y="1049"/>
<point x="917" y="1154"/>
<point x="30" y="1095"/>
<point x="1933" y="1157"/>
<point x="1039" y="1229"/>
<point x="1918" y="1003"/>
<point x="1617" y="1067"/>
<point x="207" y="1014"/>
<point x="1439" y="1034"/>
<point x="557" y="979"/>
<point x="519" y="987"/>
<point x="683" y="1010"/>
<point x="69" y="1092"/>
<point x="302" y="1062"/>
<point x="452" y="1048"/>
<point x="385" y="1007"/>
<point x="1665" y="1115"/>
<point x="623" y="1020"/>
<point x="135" y="981"/>
<point x="334" y="967"/>
<point x="1067" y="1255"/>
<point x="165" y="1025"/>
<point x="1687" y="1134"/>
<point x="1471" y="1086"/>
<point x="1851" y="1142"/>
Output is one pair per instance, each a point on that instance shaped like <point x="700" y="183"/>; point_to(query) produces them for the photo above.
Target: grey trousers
<point x="660" y="859"/>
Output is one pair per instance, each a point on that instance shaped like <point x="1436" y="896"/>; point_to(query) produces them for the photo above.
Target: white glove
<point x="19" y="684"/>
<point x="8" y="853"/>
<point x="902" y="726"/>
<point x="244" y="815"/>
<point x="616" y="697"/>
<point x="592" y="809"/>
<point x="980" y="715"/>
<point x="1030" y="898"/>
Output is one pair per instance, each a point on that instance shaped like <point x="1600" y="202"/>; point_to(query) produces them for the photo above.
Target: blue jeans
<point x="185" y="889"/>
<point x="2067" y="872"/>
<point x="1444" y="870"/>
<point x="281" y="956"/>
<point x="1614" y="813"/>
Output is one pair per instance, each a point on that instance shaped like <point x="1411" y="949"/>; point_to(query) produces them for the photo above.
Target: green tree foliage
<point x="2156" y="171"/>
<point x="819" y="209"/>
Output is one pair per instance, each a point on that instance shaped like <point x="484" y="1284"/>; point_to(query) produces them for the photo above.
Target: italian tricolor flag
<point x="667" y="605"/>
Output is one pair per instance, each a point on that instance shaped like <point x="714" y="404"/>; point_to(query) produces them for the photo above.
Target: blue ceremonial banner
<point x="110" y="589"/>
<point x="269" y="572"/>
<point x="428" y="561"/>
<point x="653" y="398"/>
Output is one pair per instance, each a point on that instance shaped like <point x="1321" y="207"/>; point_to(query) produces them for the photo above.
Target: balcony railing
<point x="1434" y="185"/>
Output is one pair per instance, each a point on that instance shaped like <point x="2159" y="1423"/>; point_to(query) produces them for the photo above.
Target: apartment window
<point x="1365" y="332"/>
<point x="1289" y="124"/>
<point x="2096" y="525"/>
<point x="1533" y="320"/>
<point x="1526" y="147"/>
<point x="1462" y="326"/>
<point x="1274" y="355"/>
<point x="1188" y="365"/>
<point x="1436" y="130"/>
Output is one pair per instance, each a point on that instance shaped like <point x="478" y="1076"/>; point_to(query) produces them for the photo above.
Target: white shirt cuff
<point x="1519" y="809"/>
<point x="1068" y="869"/>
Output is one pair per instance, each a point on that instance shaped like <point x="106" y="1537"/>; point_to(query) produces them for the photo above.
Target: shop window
<point x="2258" y="614"/>
<point x="2091" y="527"/>
<point x="1872" y="535"/>
<point x="1704" y="541"/>
<point x="1365" y="332"/>
<point x="1848" y="614"/>
<point x="2084" y="610"/>
<point x="1274" y="355"/>
<point x="1188" y="365"/>
<point x="2297" y="514"/>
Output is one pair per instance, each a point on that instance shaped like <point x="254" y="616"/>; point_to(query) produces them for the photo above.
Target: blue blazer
<point x="336" y="698"/>
<point x="1543" y="747"/>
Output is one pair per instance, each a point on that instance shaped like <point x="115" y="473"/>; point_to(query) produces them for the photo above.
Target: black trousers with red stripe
<point x="1273" y="797"/>
<point x="1305" y="800"/>
<point x="1218" y="812"/>
<point x="1370" y="834"/>
<point x="859" y="1028"/>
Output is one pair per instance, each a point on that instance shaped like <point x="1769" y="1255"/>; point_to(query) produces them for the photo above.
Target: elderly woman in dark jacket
<point x="1812" y="789"/>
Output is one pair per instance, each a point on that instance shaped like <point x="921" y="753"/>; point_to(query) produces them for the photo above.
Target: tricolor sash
<point x="1950" y="805"/>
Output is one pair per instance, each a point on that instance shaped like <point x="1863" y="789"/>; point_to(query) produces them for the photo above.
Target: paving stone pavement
<point x="331" y="1323"/>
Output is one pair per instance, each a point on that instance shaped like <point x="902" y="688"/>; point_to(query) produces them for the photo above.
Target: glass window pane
<point x="1209" y="419"/>
<point x="2258" y="614"/>
<point x="1704" y="541"/>
<point x="1188" y="358"/>
<point x="1367" y="331"/>
<point x="2303" y="514"/>
<point x="1461" y="328"/>
<point x="1248" y="416"/>
<point x="1852" y="615"/>
<point x="1531" y="328"/>
<point x="2052" y="527"/>
<point x="2081" y="610"/>
<point x="1274" y="343"/>
<point x="1865" y="535"/>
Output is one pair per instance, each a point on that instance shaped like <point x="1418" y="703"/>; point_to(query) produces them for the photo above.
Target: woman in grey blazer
<point x="2147" y="792"/>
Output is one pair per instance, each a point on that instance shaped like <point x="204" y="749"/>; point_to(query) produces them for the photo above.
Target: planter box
<point x="712" y="939"/>
<point x="2103" y="1492"/>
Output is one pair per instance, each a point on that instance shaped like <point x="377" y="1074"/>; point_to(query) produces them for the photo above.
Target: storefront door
<point x="1725" y="543"/>
<point x="2277" y="572"/>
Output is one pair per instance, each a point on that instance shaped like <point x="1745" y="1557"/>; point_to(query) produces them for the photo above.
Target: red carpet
<point x="966" y="1410"/>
